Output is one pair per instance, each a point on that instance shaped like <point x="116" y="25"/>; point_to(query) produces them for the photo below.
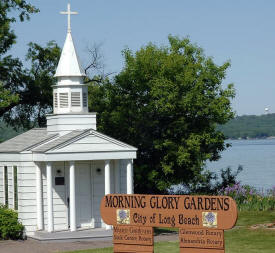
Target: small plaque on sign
<point x="201" y="238"/>
<point x="194" y="250"/>
<point x="133" y="235"/>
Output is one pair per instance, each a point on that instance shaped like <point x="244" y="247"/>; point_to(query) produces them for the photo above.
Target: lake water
<point x="257" y="158"/>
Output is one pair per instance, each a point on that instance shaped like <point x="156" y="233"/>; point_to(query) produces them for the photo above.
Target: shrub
<point x="10" y="227"/>
<point x="249" y="199"/>
<point x="210" y="183"/>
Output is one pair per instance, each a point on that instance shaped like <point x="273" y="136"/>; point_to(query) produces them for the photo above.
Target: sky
<point x="242" y="31"/>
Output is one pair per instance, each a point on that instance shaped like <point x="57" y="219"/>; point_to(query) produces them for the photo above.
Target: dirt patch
<point x="264" y="226"/>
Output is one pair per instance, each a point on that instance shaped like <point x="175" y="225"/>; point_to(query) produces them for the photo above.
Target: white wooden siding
<point x="60" y="219"/>
<point x="91" y="139"/>
<point x="98" y="191"/>
<point x="27" y="195"/>
<point x="93" y="143"/>
<point x="27" y="198"/>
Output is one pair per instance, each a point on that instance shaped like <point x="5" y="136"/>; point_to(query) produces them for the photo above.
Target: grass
<point x="248" y="218"/>
<point x="241" y="239"/>
<point x="251" y="241"/>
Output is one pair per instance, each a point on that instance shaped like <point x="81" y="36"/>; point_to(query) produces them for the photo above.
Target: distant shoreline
<point x="249" y="138"/>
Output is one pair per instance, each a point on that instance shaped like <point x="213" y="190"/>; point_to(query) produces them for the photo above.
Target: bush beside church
<point x="10" y="227"/>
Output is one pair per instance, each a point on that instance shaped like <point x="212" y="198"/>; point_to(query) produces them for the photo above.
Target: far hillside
<point x="244" y="127"/>
<point x="250" y="126"/>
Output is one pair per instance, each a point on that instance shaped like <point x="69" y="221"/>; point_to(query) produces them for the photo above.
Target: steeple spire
<point x="70" y="93"/>
<point x="69" y="13"/>
<point x="69" y="64"/>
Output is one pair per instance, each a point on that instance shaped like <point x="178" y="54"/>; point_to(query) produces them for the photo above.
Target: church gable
<point x="84" y="141"/>
<point x="93" y="142"/>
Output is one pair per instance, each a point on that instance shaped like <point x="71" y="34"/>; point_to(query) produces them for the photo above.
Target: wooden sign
<point x="133" y="235"/>
<point x="201" y="238"/>
<point x="200" y="219"/>
<point x="133" y="248"/>
<point x="196" y="212"/>
<point x="133" y="239"/>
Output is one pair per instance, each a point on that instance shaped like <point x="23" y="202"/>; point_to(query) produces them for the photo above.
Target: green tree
<point x="6" y="98"/>
<point x="167" y="102"/>
<point x="11" y="72"/>
<point x="36" y="93"/>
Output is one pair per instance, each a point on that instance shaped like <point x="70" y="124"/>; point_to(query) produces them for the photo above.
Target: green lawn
<point x="241" y="239"/>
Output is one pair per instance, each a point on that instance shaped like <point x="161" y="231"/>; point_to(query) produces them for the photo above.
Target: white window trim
<point x="4" y="188"/>
<point x="13" y="186"/>
<point x="4" y="185"/>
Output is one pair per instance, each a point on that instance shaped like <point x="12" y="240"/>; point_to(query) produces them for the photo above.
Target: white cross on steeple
<point x="69" y="13"/>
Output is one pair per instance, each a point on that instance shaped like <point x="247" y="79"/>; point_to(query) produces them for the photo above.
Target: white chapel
<point x="56" y="176"/>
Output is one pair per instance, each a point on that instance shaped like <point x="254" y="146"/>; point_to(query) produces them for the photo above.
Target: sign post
<point x="201" y="220"/>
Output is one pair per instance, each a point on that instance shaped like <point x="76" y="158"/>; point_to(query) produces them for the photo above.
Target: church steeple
<point x="70" y="95"/>
<point x="69" y="64"/>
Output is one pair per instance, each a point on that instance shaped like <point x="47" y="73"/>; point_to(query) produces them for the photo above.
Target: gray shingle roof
<point x="26" y="140"/>
<point x="59" y="141"/>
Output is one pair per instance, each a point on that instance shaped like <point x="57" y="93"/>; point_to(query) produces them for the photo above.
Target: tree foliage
<point x="25" y="94"/>
<point x="6" y="98"/>
<point x="11" y="71"/>
<point x="212" y="184"/>
<point x="36" y="87"/>
<point x="167" y="102"/>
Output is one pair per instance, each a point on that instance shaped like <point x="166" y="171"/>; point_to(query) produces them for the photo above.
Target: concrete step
<point x="96" y="234"/>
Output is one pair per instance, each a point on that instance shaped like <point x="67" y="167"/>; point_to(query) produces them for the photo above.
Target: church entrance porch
<point x="69" y="193"/>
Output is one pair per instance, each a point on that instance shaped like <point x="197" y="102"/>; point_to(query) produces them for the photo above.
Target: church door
<point x="83" y="195"/>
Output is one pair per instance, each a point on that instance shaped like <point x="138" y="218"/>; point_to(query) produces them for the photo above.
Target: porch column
<point x="72" y="197"/>
<point x="107" y="183"/>
<point x="117" y="177"/>
<point x="130" y="181"/>
<point x="50" y="196"/>
<point x="107" y="177"/>
<point x="39" y="198"/>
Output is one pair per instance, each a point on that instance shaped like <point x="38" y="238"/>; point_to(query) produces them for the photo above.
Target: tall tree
<point x="11" y="71"/>
<point x="167" y="102"/>
<point x="35" y="96"/>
